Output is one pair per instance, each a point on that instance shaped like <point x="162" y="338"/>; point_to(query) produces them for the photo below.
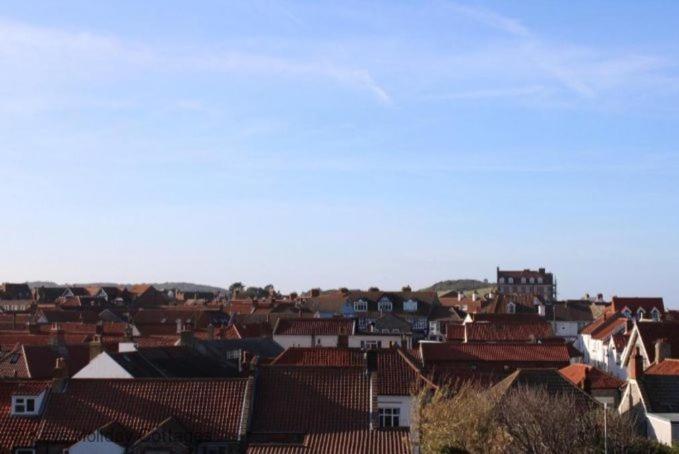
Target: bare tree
<point x="472" y="419"/>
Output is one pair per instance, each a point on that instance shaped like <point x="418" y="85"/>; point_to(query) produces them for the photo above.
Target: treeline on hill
<point x="183" y="286"/>
<point x="473" y="419"/>
<point x="250" y="291"/>
<point x="458" y="285"/>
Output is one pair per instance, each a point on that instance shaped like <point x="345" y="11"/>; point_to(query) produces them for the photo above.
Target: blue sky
<point x="340" y="143"/>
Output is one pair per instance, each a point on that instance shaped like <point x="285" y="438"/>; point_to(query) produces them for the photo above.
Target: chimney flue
<point x="636" y="366"/>
<point x="663" y="350"/>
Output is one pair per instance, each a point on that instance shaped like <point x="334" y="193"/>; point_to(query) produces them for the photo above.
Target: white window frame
<point x="420" y="323"/>
<point x="20" y="405"/>
<point x="641" y="313"/>
<point x="385" y="305"/>
<point x="655" y="314"/>
<point x="360" y="306"/>
<point x="390" y="416"/>
<point x="410" y="306"/>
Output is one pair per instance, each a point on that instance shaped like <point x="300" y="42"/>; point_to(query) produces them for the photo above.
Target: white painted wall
<point x="286" y="341"/>
<point x="404" y="403"/>
<point x="103" y="366"/>
<point x="355" y="341"/>
<point x="659" y="429"/>
<point x="95" y="442"/>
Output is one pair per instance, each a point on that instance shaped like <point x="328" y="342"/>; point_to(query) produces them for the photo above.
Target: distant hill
<point x="459" y="285"/>
<point x="183" y="286"/>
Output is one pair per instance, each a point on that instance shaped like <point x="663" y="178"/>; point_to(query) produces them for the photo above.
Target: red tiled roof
<point x="41" y="359"/>
<point x="666" y="367"/>
<point x="507" y="318"/>
<point x="576" y="374"/>
<point x="314" y="326"/>
<point x="507" y="332"/>
<point x="108" y="328"/>
<point x="650" y="332"/>
<point x="386" y="441"/>
<point x="397" y="372"/>
<point x="9" y="339"/>
<point x="647" y="304"/>
<point x="204" y="406"/>
<point x="242" y="307"/>
<point x="605" y="326"/>
<point x="17" y="431"/>
<point x="501" y="352"/>
<point x="301" y="399"/>
<point x="321" y="356"/>
<point x="243" y="330"/>
<point x="455" y="332"/>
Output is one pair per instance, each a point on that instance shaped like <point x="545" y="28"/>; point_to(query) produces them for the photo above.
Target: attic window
<point x="539" y="280"/>
<point x="410" y="306"/>
<point x="511" y="280"/>
<point x="655" y="314"/>
<point x="360" y="306"/>
<point x="384" y="305"/>
<point x="627" y="313"/>
<point x="523" y="280"/>
<point x="501" y="280"/>
<point x="641" y="313"/>
<point x="23" y="405"/>
<point x="532" y="280"/>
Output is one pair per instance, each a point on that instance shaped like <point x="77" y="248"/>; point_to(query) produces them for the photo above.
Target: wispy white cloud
<point x="510" y="92"/>
<point x="586" y="72"/>
<point x="39" y="55"/>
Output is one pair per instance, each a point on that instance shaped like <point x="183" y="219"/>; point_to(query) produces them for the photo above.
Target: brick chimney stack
<point x="663" y="350"/>
<point x="60" y="375"/>
<point x="57" y="337"/>
<point x="635" y="369"/>
<point x="96" y="346"/>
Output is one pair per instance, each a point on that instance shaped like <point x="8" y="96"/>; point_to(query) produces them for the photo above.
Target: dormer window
<point x="641" y="313"/>
<point x="511" y="280"/>
<point x="385" y="305"/>
<point x="540" y="280"/>
<point x="655" y="314"/>
<point x="511" y="308"/>
<point x="410" y="306"/>
<point x="25" y="405"/>
<point x="523" y="280"/>
<point x="361" y="306"/>
<point x="627" y="313"/>
<point x="501" y="280"/>
<point x="532" y="280"/>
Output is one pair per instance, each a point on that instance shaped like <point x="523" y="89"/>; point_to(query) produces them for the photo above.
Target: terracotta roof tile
<point x="17" y="431"/>
<point x="397" y="373"/>
<point x="301" y="399"/>
<point x="650" y="332"/>
<point x="500" y="352"/>
<point x="666" y="367"/>
<point x="619" y="303"/>
<point x="392" y="441"/>
<point x="314" y="326"/>
<point x="211" y="407"/>
<point x="576" y="374"/>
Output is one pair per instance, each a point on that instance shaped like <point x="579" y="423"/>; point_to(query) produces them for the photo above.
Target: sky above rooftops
<point x="341" y="144"/>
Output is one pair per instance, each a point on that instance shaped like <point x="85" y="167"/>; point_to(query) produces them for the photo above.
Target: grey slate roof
<point x="661" y="392"/>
